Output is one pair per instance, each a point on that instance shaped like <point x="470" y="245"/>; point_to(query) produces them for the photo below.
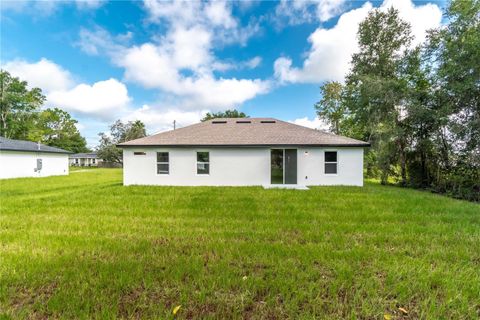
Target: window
<point x="203" y="162"/>
<point x="331" y="162"/>
<point x="93" y="161"/>
<point x="163" y="165"/>
<point x="76" y="161"/>
<point x="139" y="153"/>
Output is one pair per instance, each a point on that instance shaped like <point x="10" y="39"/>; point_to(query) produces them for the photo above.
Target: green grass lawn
<point x="84" y="246"/>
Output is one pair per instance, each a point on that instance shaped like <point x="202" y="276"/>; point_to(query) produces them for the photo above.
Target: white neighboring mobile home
<point x="20" y="158"/>
<point x="84" y="159"/>
<point x="243" y="152"/>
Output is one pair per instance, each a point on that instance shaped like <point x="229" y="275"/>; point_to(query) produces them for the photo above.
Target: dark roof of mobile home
<point x="88" y="155"/>
<point x="29" y="146"/>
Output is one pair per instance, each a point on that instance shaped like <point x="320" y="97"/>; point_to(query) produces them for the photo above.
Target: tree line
<point x="419" y="107"/>
<point x="22" y="118"/>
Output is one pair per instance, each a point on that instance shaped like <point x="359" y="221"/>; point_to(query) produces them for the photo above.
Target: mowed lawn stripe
<point x="84" y="246"/>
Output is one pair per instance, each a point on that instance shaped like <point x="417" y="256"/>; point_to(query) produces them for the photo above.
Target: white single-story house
<point x="84" y="159"/>
<point x="243" y="152"/>
<point x="20" y="158"/>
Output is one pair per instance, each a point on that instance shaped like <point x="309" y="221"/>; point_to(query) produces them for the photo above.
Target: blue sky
<point x="164" y="61"/>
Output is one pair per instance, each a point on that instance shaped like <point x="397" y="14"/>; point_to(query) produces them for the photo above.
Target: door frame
<point x="283" y="164"/>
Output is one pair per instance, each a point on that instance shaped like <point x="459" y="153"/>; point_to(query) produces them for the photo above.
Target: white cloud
<point x="43" y="74"/>
<point x="102" y="99"/>
<point x="315" y="123"/>
<point x="220" y="15"/>
<point x="158" y="119"/>
<point x="191" y="13"/>
<point x="299" y="11"/>
<point x="181" y="63"/>
<point x="331" y="49"/>
<point x="327" y="9"/>
<point x="153" y="68"/>
<point x="92" y="41"/>
<point x="47" y="8"/>
<point x="214" y="16"/>
<point x="254" y="62"/>
<point x="89" y="4"/>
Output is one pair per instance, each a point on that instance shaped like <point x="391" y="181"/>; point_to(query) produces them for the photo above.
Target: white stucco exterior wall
<point x="17" y="164"/>
<point x="311" y="167"/>
<point x="239" y="167"/>
<point x="228" y="167"/>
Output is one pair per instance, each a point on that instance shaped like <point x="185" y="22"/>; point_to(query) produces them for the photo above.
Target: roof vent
<point x="219" y="121"/>
<point x="267" y="121"/>
<point x="244" y="121"/>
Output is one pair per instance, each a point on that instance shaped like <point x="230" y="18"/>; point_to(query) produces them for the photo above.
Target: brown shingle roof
<point x="245" y="132"/>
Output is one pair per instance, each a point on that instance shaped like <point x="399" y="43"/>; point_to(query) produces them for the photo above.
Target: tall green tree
<point x="224" y="114"/>
<point x="17" y="106"/>
<point x="55" y="127"/>
<point x="375" y="89"/>
<point x="331" y="108"/>
<point x="454" y="55"/>
<point x="119" y="132"/>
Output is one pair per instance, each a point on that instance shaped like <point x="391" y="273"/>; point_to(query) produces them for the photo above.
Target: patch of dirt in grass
<point x="200" y="310"/>
<point x="30" y="299"/>
<point x="293" y="236"/>
<point x="161" y="241"/>
<point x="137" y="302"/>
<point x="258" y="308"/>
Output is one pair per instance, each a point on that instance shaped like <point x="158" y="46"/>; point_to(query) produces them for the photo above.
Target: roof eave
<point x="326" y="145"/>
<point x="40" y="151"/>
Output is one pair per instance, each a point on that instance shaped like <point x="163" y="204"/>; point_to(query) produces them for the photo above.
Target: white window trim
<point x="157" y="163"/>
<point x="197" y="162"/>
<point x="325" y="162"/>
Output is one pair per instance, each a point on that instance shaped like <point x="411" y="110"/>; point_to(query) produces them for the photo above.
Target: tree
<point x="17" y="105"/>
<point x="331" y="108"/>
<point x="375" y="89"/>
<point x="453" y="53"/>
<point x="119" y="132"/>
<point x="227" y="114"/>
<point x="55" y="127"/>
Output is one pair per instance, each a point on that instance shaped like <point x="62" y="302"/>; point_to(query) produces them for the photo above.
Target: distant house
<point x="243" y="152"/>
<point x="20" y="158"/>
<point x="84" y="159"/>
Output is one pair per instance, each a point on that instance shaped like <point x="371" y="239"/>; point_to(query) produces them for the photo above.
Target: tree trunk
<point x="423" y="163"/>
<point x="403" y="168"/>
<point x="384" y="178"/>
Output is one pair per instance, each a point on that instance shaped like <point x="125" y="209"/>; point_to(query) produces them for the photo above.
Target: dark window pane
<point x="276" y="166"/>
<point x="203" y="157"/>
<point x="139" y="153"/>
<point x="203" y="168"/>
<point x="330" y="156"/>
<point x="330" y="168"/>
<point x="162" y="168"/>
<point x="162" y="156"/>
